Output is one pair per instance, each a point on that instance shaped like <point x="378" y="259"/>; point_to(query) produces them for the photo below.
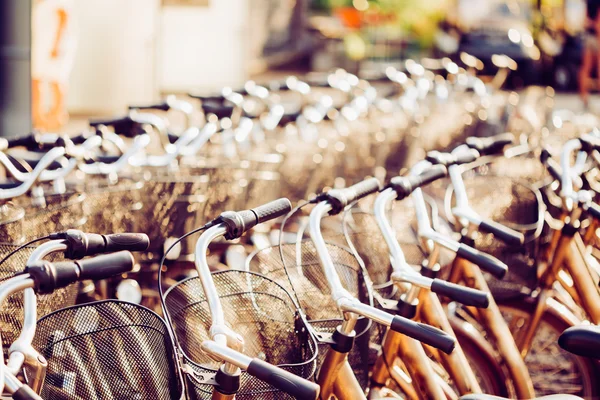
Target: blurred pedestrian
<point x="52" y="55"/>
<point x="591" y="52"/>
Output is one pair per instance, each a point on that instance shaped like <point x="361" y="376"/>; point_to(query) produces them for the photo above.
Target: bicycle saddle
<point x="549" y="397"/>
<point x="582" y="341"/>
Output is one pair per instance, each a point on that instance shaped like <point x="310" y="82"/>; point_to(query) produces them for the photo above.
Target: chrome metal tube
<point x="381" y="204"/>
<point x="566" y="182"/>
<point x="210" y="291"/>
<point x="226" y="354"/>
<point x="337" y="289"/>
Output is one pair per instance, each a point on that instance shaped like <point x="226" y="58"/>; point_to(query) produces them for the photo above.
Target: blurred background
<point x="135" y="51"/>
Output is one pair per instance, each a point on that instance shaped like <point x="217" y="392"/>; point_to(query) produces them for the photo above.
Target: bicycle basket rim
<point x="170" y="343"/>
<point x="298" y="313"/>
<point x="360" y="270"/>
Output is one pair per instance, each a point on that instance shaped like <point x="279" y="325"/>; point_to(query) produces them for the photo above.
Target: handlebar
<point x="81" y="244"/>
<point x="283" y="380"/>
<point x="484" y="261"/>
<point x="25" y="393"/>
<point x="405" y="185"/>
<point x="461" y="294"/>
<point x="448" y="159"/>
<point x="349" y="304"/>
<point x="48" y="276"/>
<point x="239" y="222"/>
<point x="504" y="233"/>
<point x="491" y="145"/>
<point x="338" y="199"/>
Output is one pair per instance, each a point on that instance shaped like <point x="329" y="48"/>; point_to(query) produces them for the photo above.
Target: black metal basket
<point x="11" y="311"/>
<point x="107" y="350"/>
<point x="255" y="307"/>
<point x="303" y="275"/>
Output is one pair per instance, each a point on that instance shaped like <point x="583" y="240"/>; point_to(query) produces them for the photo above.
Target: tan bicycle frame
<point x="568" y="255"/>
<point x="494" y="324"/>
<point x="220" y="396"/>
<point x="411" y="352"/>
<point x="337" y="379"/>
<point x="396" y="346"/>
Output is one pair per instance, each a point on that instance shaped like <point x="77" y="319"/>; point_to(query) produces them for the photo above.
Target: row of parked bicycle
<point x="457" y="279"/>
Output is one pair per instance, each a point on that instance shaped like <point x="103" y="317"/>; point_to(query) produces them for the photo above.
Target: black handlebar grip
<point x="447" y="159"/>
<point x="98" y="244"/>
<point x="340" y="198"/>
<point x="239" y="222"/>
<point x="464" y="295"/>
<point x="594" y="210"/>
<point x="423" y="333"/>
<point x="81" y="244"/>
<point x="220" y="110"/>
<point x="581" y="340"/>
<point x="116" y="121"/>
<point x="551" y="165"/>
<point x="25" y="393"/>
<point x="361" y="189"/>
<point x="483" y="260"/>
<point x="105" y="266"/>
<point x="125" y="126"/>
<point x="49" y="276"/>
<point x="504" y="233"/>
<point x="208" y="97"/>
<point x="162" y="106"/>
<point x="405" y="185"/>
<point x="589" y="142"/>
<point x="491" y="145"/>
<point x="29" y="141"/>
<point x="283" y="380"/>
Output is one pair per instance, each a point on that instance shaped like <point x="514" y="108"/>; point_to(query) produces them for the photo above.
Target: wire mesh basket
<point x="300" y="272"/>
<point x="515" y="204"/>
<point x="107" y="350"/>
<point x="113" y="207"/>
<point x="263" y="178"/>
<point x="173" y="205"/>
<point x="176" y="202"/>
<point x="11" y="223"/>
<point x="255" y="307"/>
<point x="11" y="311"/>
<point x="52" y="213"/>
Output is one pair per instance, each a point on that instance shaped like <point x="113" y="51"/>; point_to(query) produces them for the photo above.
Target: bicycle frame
<point x="569" y="256"/>
<point x="494" y="324"/>
<point x="428" y="310"/>
<point x="463" y="271"/>
<point x="335" y="376"/>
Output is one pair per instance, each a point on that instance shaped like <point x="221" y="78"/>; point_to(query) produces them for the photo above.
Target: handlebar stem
<point x="21" y="349"/>
<point x="220" y="333"/>
<point x="566" y="184"/>
<point x="337" y="289"/>
<point x="381" y="204"/>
